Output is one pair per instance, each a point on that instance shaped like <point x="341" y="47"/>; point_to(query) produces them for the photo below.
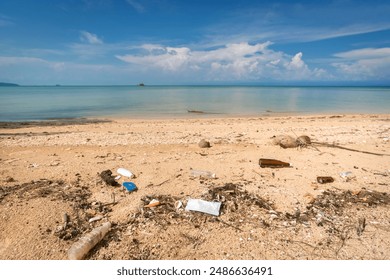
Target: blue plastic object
<point x="130" y="186"/>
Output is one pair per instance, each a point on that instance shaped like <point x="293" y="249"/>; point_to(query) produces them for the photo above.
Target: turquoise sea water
<point x="45" y="102"/>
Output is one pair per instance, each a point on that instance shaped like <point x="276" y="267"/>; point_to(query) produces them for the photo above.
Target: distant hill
<point x="8" y="85"/>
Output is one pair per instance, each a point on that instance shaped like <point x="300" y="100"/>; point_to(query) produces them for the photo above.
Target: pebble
<point x="204" y="144"/>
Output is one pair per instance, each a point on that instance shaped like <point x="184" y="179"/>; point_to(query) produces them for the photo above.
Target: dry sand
<point x="51" y="169"/>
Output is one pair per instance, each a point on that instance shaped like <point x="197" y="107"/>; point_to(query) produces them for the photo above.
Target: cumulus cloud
<point x="296" y="62"/>
<point x="232" y="61"/>
<point x="90" y="38"/>
<point x="367" y="63"/>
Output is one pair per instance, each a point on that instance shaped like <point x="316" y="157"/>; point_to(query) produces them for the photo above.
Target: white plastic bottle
<point x="202" y="174"/>
<point x="81" y="248"/>
<point x="125" y="172"/>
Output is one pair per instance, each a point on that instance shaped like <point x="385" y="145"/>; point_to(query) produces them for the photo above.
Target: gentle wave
<point x="40" y="103"/>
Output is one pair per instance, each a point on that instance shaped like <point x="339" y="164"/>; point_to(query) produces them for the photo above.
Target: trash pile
<point x="111" y="180"/>
<point x="228" y="204"/>
<point x="226" y="207"/>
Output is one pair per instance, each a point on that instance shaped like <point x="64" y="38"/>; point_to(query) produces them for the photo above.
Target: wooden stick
<point x="349" y="149"/>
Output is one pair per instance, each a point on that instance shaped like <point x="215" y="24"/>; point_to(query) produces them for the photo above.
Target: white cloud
<point x="136" y="5"/>
<point x="11" y="60"/>
<point x="32" y="70"/>
<point x="296" y="62"/>
<point x="365" y="53"/>
<point x="90" y="38"/>
<point x="367" y="63"/>
<point x="240" y="61"/>
<point x="170" y="59"/>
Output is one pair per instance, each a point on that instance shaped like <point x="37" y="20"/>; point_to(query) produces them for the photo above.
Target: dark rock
<point x="204" y="144"/>
<point x="107" y="177"/>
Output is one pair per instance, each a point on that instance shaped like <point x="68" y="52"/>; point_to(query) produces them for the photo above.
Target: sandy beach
<point x="51" y="188"/>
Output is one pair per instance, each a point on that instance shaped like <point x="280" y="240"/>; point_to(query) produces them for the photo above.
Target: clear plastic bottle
<point x="347" y="176"/>
<point x="81" y="248"/>
<point x="203" y="174"/>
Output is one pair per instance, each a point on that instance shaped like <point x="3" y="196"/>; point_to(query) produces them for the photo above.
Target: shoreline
<point x="195" y="115"/>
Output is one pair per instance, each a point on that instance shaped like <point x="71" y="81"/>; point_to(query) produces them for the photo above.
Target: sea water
<point x="26" y="103"/>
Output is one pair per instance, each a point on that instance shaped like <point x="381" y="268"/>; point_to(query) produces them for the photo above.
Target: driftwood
<point x="348" y="149"/>
<point x="195" y="111"/>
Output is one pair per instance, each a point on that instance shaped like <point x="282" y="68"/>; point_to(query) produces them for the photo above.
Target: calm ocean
<point x="45" y="102"/>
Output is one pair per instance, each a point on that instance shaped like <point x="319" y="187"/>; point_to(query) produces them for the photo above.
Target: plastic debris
<point x="81" y="248"/>
<point x="272" y="163"/>
<point x="178" y="204"/>
<point x="94" y="219"/>
<point x="203" y="206"/>
<point x="65" y="220"/>
<point x="203" y="174"/>
<point x="325" y="179"/>
<point x="347" y="175"/>
<point x="130" y="186"/>
<point x="153" y="203"/>
<point x="125" y="172"/>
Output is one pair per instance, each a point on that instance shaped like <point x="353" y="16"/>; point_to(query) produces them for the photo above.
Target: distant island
<point x="8" y="85"/>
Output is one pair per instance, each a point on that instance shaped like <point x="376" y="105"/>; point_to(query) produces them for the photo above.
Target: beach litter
<point x="153" y="203"/>
<point x="202" y="174"/>
<point x="129" y="186"/>
<point x="203" y="206"/>
<point x="325" y="179"/>
<point x="347" y="175"/>
<point x="96" y="218"/>
<point x="178" y="204"/>
<point x="272" y="163"/>
<point x="125" y="172"/>
<point x="81" y="248"/>
<point x="65" y="220"/>
<point x="107" y="177"/>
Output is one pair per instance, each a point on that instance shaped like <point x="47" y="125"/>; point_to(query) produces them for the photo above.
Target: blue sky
<point x="106" y="42"/>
